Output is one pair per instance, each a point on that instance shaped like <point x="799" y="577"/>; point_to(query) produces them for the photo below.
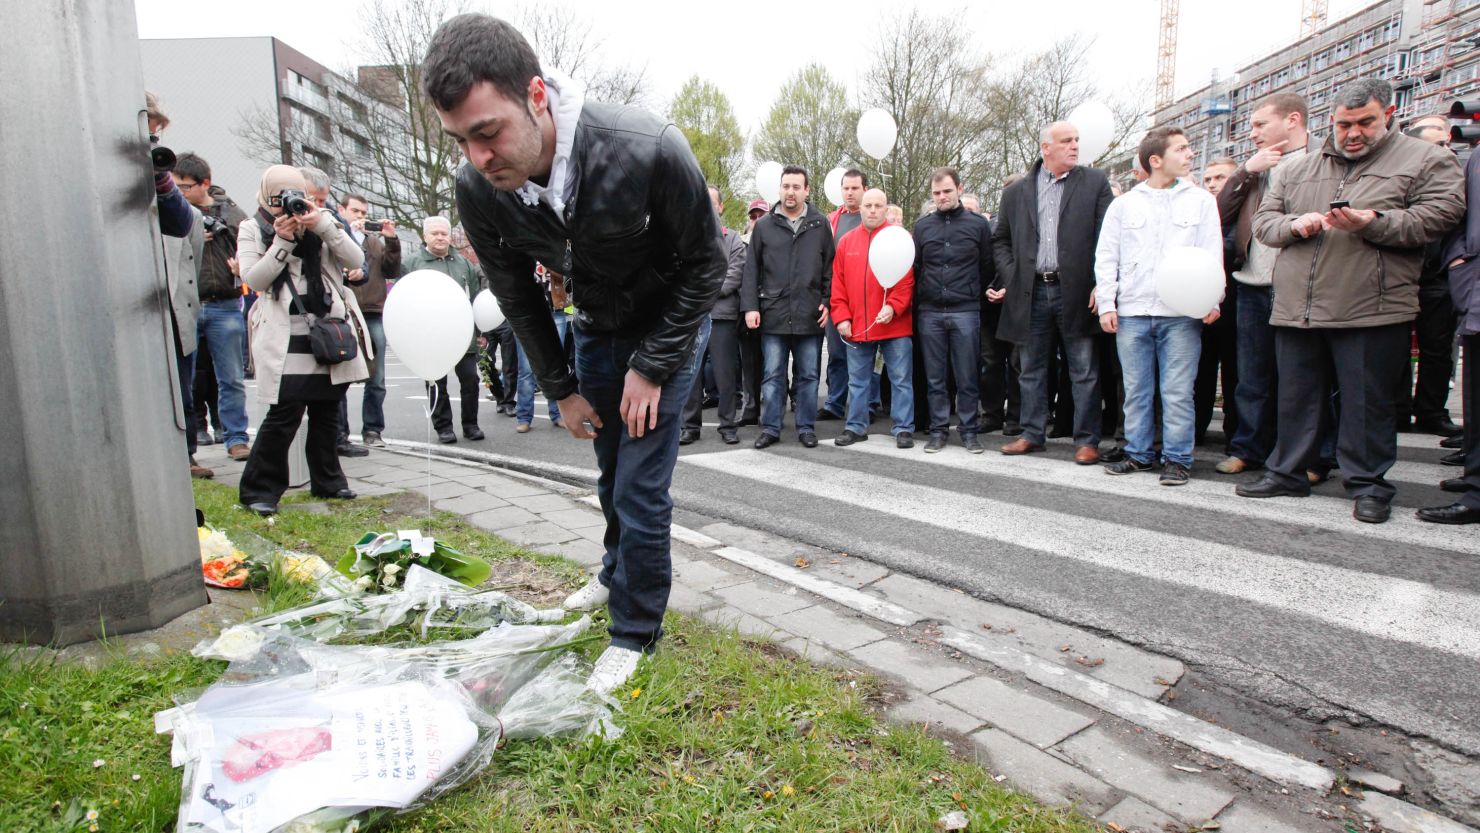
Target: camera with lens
<point x="374" y="225"/>
<point x="291" y="201"/>
<point x="160" y="156"/>
<point x="215" y="226"/>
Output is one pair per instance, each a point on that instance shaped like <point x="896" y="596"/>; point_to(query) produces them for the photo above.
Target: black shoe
<point x="1267" y="486"/>
<point x="1174" y="474"/>
<point x="749" y="420"/>
<point x="711" y="402"/>
<point x="729" y="435"/>
<point x="1115" y="454"/>
<point x="808" y="440"/>
<point x="348" y="449"/>
<point x="506" y="409"/>
<point x="342" y="494"/>
<point x="972" y="444"/>
<point x="1454" y="513"/>
<point x="1455" y="459"/>
<point x="447" y="436"/>
<point x="766" y="440"/>
<point x="1371" y="510"/>
<point x="262" y="508"/>
<point x="1454" y="484"/>
<point x="987" y="425"/>
<point x="904" y="439"/>
<point x="937" y="442"/>
<point x="848" y="438"/>
<point x="473" y="432"/>
<point x="1443" y="426"/>
<point x="1128" y="465"/>
<point x="1012" y="429"/>
<point x="688" y="436"/>
<point x="824" y="415"/>
<point x="1451" y="443"/>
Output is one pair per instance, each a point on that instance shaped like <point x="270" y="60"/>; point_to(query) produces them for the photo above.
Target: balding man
<point x="437" y="253"/>
<point x="1044" y="245"/>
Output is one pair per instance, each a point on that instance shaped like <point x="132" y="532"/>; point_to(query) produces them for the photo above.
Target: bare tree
<point x="569" y="43"/>
<point x="811" y="124"/>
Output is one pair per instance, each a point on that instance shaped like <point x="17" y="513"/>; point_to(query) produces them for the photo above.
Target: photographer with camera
<point x="307" y="344"/>
<point x="382" y="263"/>
<point x="222" y="331"/>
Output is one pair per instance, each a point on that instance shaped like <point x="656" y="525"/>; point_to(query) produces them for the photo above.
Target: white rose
<point x="238" y="643"/>
<point x="391" y="569"/>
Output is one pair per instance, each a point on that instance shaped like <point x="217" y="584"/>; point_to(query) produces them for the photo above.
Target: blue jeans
<point x="839" y="373"/>
<point x="1082" y="357"/>
<point x="1152" y="346"/>
<point x="1258" y="382"/>
<point x="899" y="358"/>
<point x="524" y="403"/>
<point x="223" y="333"/>
<point x="804" y="352"/>
<point x="372" y="409"/>
<point x="951" y="344"/>
<point x="633" y="488"/>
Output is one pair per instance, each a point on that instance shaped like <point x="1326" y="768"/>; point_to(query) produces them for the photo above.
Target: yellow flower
<point x="787" y="791"/>
<point x="768" y="795"/>
<point x="636" y="693"/>
<point x="688" y="779"/>
<point x="92" y="828"/>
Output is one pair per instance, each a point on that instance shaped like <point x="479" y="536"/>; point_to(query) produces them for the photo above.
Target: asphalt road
<point x="1288" y="600"/>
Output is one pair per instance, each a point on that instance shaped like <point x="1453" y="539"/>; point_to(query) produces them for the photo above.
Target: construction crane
<point x="1312" y="17"/>
<point x="1166" y="54"/>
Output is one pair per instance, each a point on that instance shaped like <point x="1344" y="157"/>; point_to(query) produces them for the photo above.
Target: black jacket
<point x="1082" y="209"/>
<point x="953" y="260"/>
<point x="216" y="281"/>
<point x="788" y="276"/>
<point x="640" y="246"/>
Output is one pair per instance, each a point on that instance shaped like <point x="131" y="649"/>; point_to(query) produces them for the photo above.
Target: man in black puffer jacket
<point x="611" y="198"/>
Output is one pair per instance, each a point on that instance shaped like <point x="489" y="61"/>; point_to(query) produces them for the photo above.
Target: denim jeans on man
<point x="372" y="405"/>
<point x="1084" y="370"/>
<point x="1168" y="348"/>
<point x="898" y="357"/>
<point x="951" y="344"/>
<point x="838" y="372"/>
<point x="803" y="353"/>
<point x="524" y="404"/>
<point x="633" y="488"/>
<point x="223" y="334"/>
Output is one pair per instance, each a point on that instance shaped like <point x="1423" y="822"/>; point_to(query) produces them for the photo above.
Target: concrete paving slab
<point x="1021" y="714"/>
<point x="705" y="576"/>
<point x="866" y="603"/>
<point x="1041" y="775"/>
<point x="924" y="709"/>
<point x="1401" y="817"/>
<point x="695" y="539"/>
<point x="911" y="664"/>
<point x="776" y="548"/>
<point x="819" y="624"/>
<point x="439" y="491"/>
<point x="748" y="626"/>
<point x="505" y="487"/>
<point x="535" y="534"/>
<point x="817" y="654"/>
<point x="1244" y="816"/>
<point x="1135" y="816"/>
<point x="502" y="518"/>
<point x="757" y="600"/>
<point x="543" y="503"/>
<point x="581" y="551"/>
<point x="470" y="503"/>
<point x="1192" y="798"/>
<point x="689" y="600"/>
<point x="569" y="518"/>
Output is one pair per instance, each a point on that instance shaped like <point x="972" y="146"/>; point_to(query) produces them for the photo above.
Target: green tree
<point x="812" y="124"/>
<point x="703" y="112"/>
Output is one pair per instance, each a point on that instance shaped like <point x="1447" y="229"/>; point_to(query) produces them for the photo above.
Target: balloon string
<point x="431" y="406"/>
<point x="876" y="318"/>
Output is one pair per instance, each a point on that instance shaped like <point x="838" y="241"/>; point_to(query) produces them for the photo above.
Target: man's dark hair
<point x="347" y="197"/>
<point x="193" y="167"/>
<point x="1358" y="93"/>
<point x="1284" y="104"/>
<point x="854" y="173"/>
<point x="797" y="169"/>
<point x="1155" y="144"/>
<point x="945" y="173"/>
<point x="472" y="48"/>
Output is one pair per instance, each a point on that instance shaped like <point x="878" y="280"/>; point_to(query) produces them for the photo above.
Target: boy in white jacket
<point x="1165" y="212"/>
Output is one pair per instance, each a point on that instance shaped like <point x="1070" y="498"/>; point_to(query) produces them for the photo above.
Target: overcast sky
<point x="750" y="49"/>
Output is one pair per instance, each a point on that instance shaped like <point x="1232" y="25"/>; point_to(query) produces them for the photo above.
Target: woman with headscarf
<point x="279" y="253"/>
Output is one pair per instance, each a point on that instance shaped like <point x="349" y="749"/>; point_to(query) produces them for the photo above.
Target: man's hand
<point x="1308" y="225"/>
<point x="356" y="274"/>
<point x="995" y="296"/>
<point x="1212" y="316"/>
<point x="1110" y="322"/>
<point x="1266" y="158"/>
<point x="287" y="227"/>
<point x="753" y="320"/>
<point x="886" y="314"/>
<point x="1457" y="261"/>
<point x="235" y="268"/>
<point x="639" y="407"/>
<point x="845" y="328"/>
<point x="1350" y="219"/>
<point x="1094" y="305"/>
<point x="822" y="315"/>
<point x="387" y="228"/>
<point x="575" y="412"/>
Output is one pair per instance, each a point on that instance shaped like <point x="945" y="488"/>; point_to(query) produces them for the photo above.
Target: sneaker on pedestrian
<point x="447" y="437"/>
<point x="613" y="669"/>
<point x="239" y="452"/>
<point x="373" y="440"/>
<point x="972" y="444"/>
<point x="1174" y="474"/>
<point x="590" y="597"/>
<point x="729" y="435"/>
<point x="199" y="471"/>
<point x="1128" y="465"/>
<point x="204" y="438"/>
<point x="937" y="442"/>
<point x="904" y="439"/>
<point x="1115" y="454"/>
<point x="848" y="438"/>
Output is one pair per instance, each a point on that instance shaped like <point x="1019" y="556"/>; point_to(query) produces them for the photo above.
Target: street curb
<point x="515" y="466"/>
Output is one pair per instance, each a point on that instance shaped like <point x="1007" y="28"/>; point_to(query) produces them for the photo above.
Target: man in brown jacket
<point x="1351" y="221"/>
<point x="382" y="263"/>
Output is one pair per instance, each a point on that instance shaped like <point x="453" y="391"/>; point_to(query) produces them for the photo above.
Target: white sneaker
<point x="590" y="597"/>
<point x="613" y="668"/>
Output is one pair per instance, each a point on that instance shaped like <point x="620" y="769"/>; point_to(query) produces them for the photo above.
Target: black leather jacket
<point x="639" y="246"/>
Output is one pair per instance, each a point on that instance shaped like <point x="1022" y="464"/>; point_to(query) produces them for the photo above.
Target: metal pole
<point x="96" y="515"/>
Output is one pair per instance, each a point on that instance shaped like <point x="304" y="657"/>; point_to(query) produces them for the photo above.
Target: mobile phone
<point x="1335" y="204"/>
<point x="374" y="225"/>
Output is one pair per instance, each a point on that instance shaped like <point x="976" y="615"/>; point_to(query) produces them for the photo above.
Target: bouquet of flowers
<point x="377" y="563"/>
<point x="221" y="562"/>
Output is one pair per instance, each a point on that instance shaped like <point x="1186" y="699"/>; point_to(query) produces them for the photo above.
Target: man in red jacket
<point x="871" y="320"/>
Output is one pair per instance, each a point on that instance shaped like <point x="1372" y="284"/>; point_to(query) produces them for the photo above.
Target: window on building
<point x="318" y="159"/>
<point x="357" y="145"/>
<point x="1302" y="68"/>
<point x="356" y="110"/>
<point x="1343" y="50"/>
<point x="1282" y="77"/>
<point x="1322" y="60"/>
<point x="1367" y="40"/>
<point x="303" y="81"/>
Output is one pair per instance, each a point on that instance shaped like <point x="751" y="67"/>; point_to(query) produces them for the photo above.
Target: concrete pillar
<point x="96" y="515"/>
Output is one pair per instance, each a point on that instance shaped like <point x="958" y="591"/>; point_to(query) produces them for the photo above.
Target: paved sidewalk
<point x="1063" y="714"/>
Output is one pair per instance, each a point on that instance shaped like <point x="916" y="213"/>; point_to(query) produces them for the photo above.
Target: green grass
<point x="721" y="734"/>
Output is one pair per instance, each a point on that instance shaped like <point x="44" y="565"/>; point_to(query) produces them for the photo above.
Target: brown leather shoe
<point x="1235" y="465"/>
<point x="1087" y="455"/>
<point x="1022" y="446"/>
<point x="200" y="472"/>
<point x="239" y="452"/>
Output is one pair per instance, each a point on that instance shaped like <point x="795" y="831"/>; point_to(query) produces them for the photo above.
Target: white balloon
<point x="768" y="181"/>
<point x="1096" y="130"/>
<point x="891" y="255"/>
<point x="1189" y="280"/>
<point x="428" y="322"/>
<point x="486" y="313"/>
<point x="877" y="132"/>
<point x="833" y="186"/>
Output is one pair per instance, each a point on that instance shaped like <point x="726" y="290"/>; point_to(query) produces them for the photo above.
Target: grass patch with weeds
<point x="721" y="733"/>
